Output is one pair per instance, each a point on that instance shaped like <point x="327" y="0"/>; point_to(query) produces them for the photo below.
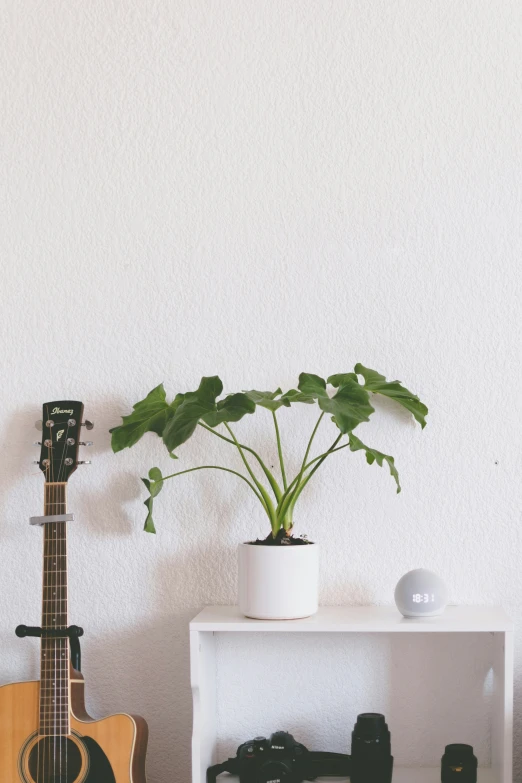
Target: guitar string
<point x="57" y="740"/>
<point x="54" y="673"/>
<point x="48" y="718"/>
<point x="41" y="741"/>
<point x="64" y="696"/>
<point x="42" y="646"/>
<point x="57" y="647"/>
<point x="64" y="665"/>
<point x="54" y="610"/>
<point x="66" y="618"/>
<point x="51" y="642"/>
<point x="58" y="620"/>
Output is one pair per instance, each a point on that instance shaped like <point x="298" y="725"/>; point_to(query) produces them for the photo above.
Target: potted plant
<point x="277" y="575"/>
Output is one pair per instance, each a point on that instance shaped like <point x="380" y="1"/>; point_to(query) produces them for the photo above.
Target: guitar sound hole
<point x="55" y="760"/>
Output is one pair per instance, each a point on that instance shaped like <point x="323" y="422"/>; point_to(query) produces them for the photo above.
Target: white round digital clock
<point x="421" y="593"/>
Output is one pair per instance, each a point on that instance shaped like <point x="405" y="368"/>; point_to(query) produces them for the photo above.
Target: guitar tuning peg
<point x="37" y="443"/>
<point x="35" y="462"/>
<point x="88" y="424"/>
<point x="39" y="424"/>
<point x="85" y="443"/>
<point x="84" y="462"/>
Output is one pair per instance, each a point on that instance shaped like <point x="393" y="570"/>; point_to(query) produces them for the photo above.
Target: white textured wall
<point x="255" y="189"/>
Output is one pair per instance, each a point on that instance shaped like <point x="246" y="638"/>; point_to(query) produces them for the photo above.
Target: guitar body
<point x="111" y="750"/>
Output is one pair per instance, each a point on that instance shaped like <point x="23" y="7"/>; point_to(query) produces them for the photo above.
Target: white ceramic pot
<point x="278" y="582"/>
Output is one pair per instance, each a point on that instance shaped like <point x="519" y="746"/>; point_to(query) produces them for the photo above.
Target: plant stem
<point x="301" y="486"/>
<point x="219" y="467"/>
<point x="266" y="497"/>
<point x="286" y="504"/>
<point x="294" y="490"/>
<point x="273" y="483"/>
<point x="312" y="436"/>
<point x="279" y="449"/>
<point x="331" y="450"/>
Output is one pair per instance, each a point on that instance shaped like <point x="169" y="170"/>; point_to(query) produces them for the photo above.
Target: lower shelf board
<point x="400" y="775"/>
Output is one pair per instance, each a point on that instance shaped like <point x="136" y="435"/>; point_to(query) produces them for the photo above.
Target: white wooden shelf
<point x="224" y="622"/>
<point x="358" y="619"/>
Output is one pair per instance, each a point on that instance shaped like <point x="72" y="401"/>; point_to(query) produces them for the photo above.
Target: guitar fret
<point x="60" y="727"/>
<point x="53" y="729"/>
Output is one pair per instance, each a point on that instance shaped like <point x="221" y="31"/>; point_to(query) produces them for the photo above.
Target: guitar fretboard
<point x="54" y="680"/>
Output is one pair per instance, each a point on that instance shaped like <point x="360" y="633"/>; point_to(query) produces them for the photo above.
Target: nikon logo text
<point x="59" y="410"/>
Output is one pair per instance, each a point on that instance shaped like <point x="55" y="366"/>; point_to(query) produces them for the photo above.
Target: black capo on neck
<point x="73" y="633"/>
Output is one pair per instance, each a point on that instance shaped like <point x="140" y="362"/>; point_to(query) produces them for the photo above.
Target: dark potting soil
<point x="280" y="540"/>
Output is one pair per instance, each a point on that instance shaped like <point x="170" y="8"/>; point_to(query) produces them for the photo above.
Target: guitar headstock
<point x="61" y="422"/>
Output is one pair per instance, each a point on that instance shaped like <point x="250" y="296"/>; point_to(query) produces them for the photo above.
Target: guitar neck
<point x="54" y="680"/>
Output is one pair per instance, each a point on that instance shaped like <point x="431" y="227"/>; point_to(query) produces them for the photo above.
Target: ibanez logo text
<point x="60" y="410"/>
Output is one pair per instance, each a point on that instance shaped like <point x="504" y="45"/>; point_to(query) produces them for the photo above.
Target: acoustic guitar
<point x="46" y="735"/>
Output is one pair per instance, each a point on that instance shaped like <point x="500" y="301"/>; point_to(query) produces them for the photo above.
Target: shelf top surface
<point x="359" y="619"/>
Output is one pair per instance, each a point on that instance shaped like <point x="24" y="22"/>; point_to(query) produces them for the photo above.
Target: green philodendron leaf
<point x="272" y="401"/>
<point x="232" y="408"/>
<point x="156" y="481"/>
<point x="209" y="389"/>
<point x="154" y="487"/>
<point x="149" y="415"/>
<point x="372" y="455"/>
<point x="378" y="384"/>
<point x="149" y="522"/>
<point x="184" y="422"/>
<point x="267" y="399"/>
<point x="342" y="378"/>
<point x="293" y="395"/>
<point x="312" y="385"/>
<point x="349" y="407"/>
<point x="193" y="407"/>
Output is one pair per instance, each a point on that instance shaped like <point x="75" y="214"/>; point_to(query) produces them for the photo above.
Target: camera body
<point x="280" y="759"/>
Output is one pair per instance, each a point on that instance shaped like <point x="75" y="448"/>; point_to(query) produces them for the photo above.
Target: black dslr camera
<point x="280" y="759"/>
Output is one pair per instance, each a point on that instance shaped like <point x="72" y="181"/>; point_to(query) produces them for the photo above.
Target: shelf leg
<point x="502" y="715"/>
<point x="203" y="684"/>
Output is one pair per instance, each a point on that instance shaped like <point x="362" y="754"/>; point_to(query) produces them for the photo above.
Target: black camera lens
<point x="459" y="764"/>
<point x="372" y="761"/>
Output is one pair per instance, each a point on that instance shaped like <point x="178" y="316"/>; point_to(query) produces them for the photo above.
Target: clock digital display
<point x="423" y="598"/>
